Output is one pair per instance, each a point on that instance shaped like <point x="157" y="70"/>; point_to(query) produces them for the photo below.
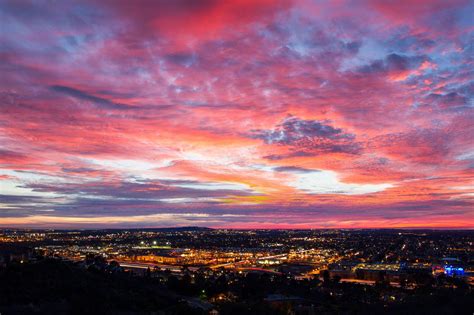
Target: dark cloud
<point x="276" y="157"/>
<point x="78" y="170"/>
<point x="352" y="47"/>
<point x="23" y="205"/>
<point x="393" y="63"/>
<point x="100" y="198"/>
<point x="139" y="190"/>
<point x="294" y="169"/>
<point x="183" y="59"/>
<point x="102" y="102"/>
<point x="18" y="199"/>
<point x="6" y="155"/>
<point x="450" y="101"/>
<point x="310" y="135"/>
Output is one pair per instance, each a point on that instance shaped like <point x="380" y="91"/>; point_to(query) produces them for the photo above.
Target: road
<point x="254" y="260"/>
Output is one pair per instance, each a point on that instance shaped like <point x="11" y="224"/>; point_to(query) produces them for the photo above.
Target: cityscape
<point x="194" y="270"/>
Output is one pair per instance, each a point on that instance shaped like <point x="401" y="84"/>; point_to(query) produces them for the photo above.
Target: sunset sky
<point x="237" y="114"/>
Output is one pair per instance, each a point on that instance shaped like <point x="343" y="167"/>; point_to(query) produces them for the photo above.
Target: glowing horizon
<point x="237" y="114"/>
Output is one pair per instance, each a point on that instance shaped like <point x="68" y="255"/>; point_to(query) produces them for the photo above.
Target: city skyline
<point x="237" y="114"/>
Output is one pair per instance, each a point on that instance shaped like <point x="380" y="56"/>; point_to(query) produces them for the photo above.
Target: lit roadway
<point x="254" y="260"/>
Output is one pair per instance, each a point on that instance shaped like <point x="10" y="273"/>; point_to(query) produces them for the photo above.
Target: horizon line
<point x="247" y="229"/>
